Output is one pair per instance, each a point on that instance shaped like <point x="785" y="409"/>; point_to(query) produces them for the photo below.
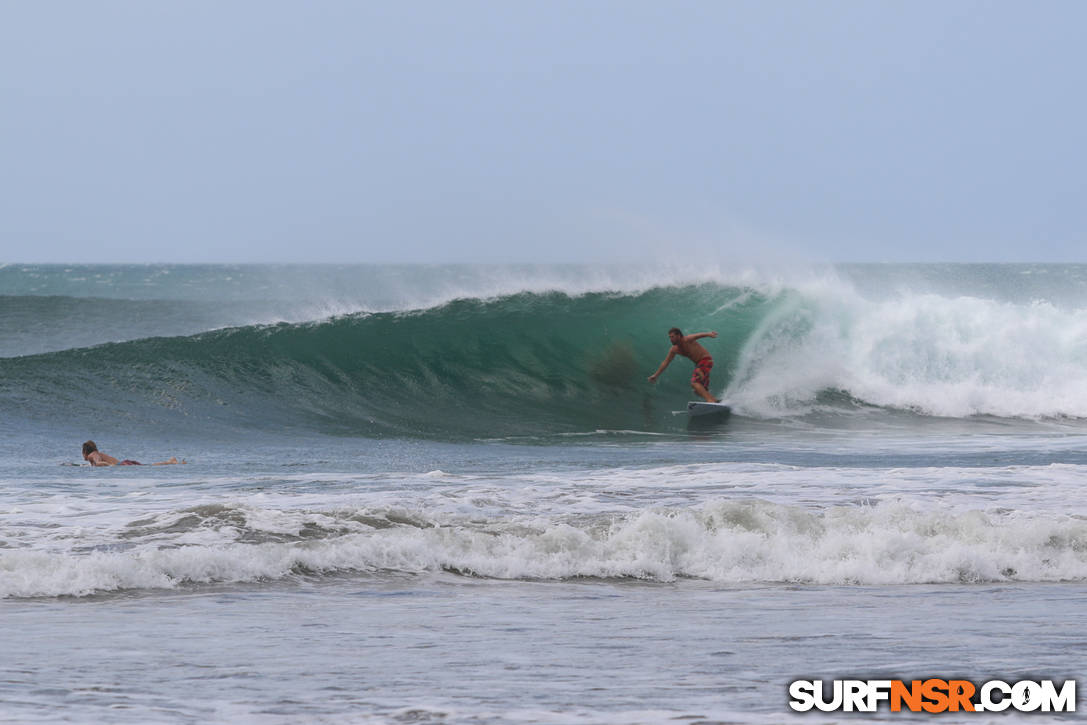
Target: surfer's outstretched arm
<point x="668" y="359"/>
<point x="697" y="335"/>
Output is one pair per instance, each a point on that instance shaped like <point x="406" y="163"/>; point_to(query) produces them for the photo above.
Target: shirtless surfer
<point x="687" y="346"/>
<point x="98" y="458"/>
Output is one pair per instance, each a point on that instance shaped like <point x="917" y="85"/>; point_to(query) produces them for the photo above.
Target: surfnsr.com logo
<point x="932" y="695"/>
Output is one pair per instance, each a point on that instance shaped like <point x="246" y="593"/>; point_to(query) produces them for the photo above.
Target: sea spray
<point x="494" y="352"/>
<point x="944" y="356"/>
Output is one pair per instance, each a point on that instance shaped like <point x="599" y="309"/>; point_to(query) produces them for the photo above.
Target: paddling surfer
<point x="688" y="347"/>
<point x="98" y="458"/>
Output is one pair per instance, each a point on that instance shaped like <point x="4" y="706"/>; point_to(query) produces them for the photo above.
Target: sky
<point x="542" y="131"/>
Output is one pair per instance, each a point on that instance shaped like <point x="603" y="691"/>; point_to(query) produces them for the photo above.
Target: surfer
<point x="98" y="458"/>
<point x="687" y="346"/>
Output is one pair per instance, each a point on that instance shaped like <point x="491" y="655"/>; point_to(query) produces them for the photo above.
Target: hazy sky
<point x="517" y="130"/>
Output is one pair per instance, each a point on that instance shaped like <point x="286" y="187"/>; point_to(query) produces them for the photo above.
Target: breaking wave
<point x="723" y="541"/>
<point x="558" y="362"/>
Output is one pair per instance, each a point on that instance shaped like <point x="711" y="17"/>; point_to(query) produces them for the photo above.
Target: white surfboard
<point x="701" y="407"/>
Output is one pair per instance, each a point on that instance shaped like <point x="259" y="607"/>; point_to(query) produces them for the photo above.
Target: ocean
<point x="449" y="493"/>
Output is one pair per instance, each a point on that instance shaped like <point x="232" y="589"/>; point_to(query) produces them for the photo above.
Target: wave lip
<point x="727" y="542"/>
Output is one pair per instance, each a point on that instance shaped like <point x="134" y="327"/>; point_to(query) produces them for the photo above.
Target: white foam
<point x="945" y="356"/>
<point x="727" y="541"/>
<point x="724" y="522"/>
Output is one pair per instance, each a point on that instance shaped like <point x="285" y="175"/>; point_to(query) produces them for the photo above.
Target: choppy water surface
<point x="449" y="494"/>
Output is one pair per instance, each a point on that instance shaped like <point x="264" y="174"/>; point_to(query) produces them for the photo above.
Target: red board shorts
<point x="127" y="462"/>
<point x="701" y="372"/>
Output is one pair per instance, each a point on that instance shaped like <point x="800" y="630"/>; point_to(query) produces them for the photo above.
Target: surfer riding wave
<point x="688" y="347"/>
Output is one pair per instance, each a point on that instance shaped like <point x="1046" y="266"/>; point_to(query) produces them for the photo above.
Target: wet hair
<point x="676" y="330"/>
<point x="89" y="447"/>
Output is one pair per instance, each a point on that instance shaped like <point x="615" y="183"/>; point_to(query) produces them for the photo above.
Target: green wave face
<point x="524" y="364"/>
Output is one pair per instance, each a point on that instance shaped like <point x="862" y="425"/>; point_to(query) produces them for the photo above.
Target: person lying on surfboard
<point x="98" y="458"/>
<point x="687" y="346"/>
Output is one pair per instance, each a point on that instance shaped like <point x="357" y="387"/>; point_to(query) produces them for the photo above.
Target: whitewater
<point x="449" y="493"/>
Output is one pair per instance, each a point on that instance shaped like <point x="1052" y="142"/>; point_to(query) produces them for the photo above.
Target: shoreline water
<point x="451" y="649"/>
